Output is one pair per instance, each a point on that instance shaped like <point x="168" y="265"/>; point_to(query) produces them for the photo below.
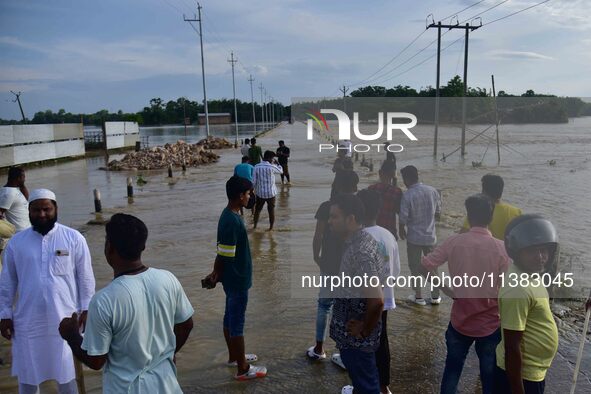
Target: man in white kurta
<point x="47" y="270"/>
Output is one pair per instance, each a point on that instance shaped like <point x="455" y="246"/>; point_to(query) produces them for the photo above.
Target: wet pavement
<point x="182" y="215"/>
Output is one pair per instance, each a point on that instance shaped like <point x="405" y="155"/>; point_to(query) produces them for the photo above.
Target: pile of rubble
<point x="176" y="154"/>
<point x="215" y="143"/>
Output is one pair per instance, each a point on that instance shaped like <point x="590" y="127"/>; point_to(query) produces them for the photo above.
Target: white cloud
<point x="17" y="42"/>
<point x="8" y="73"/>
<point x="512" y="55"/>
<point x="23" y="86"/>
<point x="568" y="14"/>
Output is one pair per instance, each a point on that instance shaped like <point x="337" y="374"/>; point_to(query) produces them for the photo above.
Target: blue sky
<point x="84" y="56"/>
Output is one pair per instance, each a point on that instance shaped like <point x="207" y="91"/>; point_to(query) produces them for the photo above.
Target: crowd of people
<point x="136" y="324"/>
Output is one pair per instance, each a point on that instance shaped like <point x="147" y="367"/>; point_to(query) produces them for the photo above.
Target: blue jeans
<point x="235" y="313"/>
<point x="324" y="309"/>
<point x="362" y="370"/>
<point x="458" y="346"/>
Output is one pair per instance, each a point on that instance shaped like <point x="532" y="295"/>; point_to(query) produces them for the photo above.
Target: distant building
<point x="216" y="118"/>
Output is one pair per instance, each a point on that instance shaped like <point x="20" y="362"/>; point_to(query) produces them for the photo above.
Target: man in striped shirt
<point x="265" y="190"/>
<point x="419" y="208"/>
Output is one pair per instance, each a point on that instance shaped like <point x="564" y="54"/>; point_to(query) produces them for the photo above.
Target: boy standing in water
<point x="233" y="267"/>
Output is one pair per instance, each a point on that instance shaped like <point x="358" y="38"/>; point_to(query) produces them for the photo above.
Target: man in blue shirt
<point x="244" y="169"/>
<point x="233" y="267"/>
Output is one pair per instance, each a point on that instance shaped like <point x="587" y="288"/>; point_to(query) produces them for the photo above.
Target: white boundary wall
<point x="121" y="134"/>
<point x="21" y="144"/>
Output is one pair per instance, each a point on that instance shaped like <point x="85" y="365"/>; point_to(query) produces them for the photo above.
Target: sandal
<point x="252" y="373"/>
<point x="250" y="358"/>
<point x="336" y="358"/>
<point x="312" y="355"/>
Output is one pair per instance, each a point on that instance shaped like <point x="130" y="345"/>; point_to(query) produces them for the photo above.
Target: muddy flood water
<point x="547" y="169"/>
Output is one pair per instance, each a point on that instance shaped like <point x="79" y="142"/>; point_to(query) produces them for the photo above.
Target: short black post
<point x="370" y="164"/>
<point x="129" y="188"/>
<point x="170" y="170"/>
<point x="184" y="166"/>
<point x="356" y="156"/>
<point x="97" y="201"/>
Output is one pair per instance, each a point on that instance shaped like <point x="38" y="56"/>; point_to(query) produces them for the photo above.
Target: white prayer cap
<point x="41" y="194"/>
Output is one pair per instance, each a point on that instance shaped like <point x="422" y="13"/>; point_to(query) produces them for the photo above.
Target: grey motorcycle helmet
<point x="529" y="230"/>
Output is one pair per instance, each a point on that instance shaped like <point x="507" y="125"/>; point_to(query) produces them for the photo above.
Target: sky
<point x="84" y="56"/>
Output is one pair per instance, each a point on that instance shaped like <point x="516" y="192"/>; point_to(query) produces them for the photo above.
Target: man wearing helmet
<point x="529" y="333"/>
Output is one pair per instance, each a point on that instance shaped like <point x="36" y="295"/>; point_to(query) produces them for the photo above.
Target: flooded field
<point x="182" y="215"/>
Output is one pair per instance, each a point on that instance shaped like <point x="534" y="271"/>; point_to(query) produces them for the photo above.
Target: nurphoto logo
<point x="344" y="130"/>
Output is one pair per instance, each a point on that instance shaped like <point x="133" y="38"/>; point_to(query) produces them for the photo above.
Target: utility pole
<point x="185" y="119"/>
<point x="467" y="28"/>
<point x="436" y="134"/>
<point x="344" y="90"/>
<point x="273" y="111"/>
<point x="266" y="108"/>
<point x="496" y="119"/>
<point x="202" y="67"/>
<point x="262" y="106"/>
<point x="18" y="100"/>
<point x="254" y="118"/>
<point x="233" y="61"/>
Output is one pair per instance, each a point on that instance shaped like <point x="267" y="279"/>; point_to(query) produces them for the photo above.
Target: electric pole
<point x="496" y="119"/>
<point x="18" y="100"/>
<point x="262" y="107"/>
<point x="344" y="90"/>
<point x="185" y="118"/>
<point x="436" y="134"/>
<point x="266" y="108"/>
<point x="202" y="66"/>
<point x="233" y="61"/>
<point x="254" y="119"/>
<point x="467" y="28"/>
<point x="273" y="111"/>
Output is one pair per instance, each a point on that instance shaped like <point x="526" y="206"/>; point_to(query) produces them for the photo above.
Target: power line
<point x="487" y="10"/>
<point x="254" y="118"/>
<point x="488" y="23"/>
<point x="370" y="79"/>
<point x="423" y="61"/>
<point x="173" y="6"/>
<point x="233" y="61"/>
<point x="188" y="5"/>
<point x="212" y="31"/>
<point x="405" y="62"/>
<point x="20" y="106"/>
<point x="467" y="8"/>
<point x="390" y="61"/>
<point x="194" y="28"/>
<point x="200" y="32"/>
<point x="516" y="12"/>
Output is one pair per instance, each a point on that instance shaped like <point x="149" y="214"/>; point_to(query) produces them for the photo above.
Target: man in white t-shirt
<point x="389" y="249"/>
<point x="136" y="324"/>
<point x="13" y="200"/>
<point x="245" y="147"/>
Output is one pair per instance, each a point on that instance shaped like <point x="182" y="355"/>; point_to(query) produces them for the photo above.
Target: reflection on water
<point x="182" y="218"/>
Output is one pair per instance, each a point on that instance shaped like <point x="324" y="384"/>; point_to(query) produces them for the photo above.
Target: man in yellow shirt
<point x="492" y="186"/>
<point x="529" y="333"/>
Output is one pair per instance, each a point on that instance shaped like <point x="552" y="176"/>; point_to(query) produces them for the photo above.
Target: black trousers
<point x="383" y="353"/>
<point x="501" y="384"/>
